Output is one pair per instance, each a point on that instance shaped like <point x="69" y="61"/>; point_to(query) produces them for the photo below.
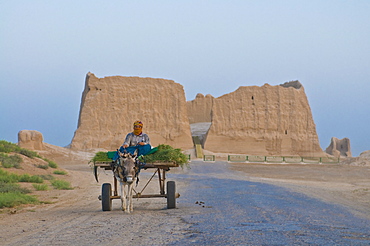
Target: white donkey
<point x="126" y="173"/>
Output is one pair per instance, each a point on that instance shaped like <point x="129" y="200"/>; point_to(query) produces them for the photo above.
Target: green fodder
<point x="40" y="186"/>
<point x="12" y="199"/>
<point x="61" y="184"/>
<point x="10" y="161"/>
<point x="166" y="153"/>
<point x="59" y="172"/>
<point x="100" y="156"/>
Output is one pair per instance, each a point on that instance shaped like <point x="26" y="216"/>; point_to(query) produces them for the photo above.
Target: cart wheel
<point x="171" y="194"/>
<point x="106" y="201"/>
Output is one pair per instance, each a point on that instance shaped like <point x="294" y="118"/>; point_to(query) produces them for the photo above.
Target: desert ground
<point x="73" y="215"/>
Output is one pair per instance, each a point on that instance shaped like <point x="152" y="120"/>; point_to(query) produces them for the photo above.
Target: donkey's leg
<point x="130" y="207"/>
<point x="123" y="196"/>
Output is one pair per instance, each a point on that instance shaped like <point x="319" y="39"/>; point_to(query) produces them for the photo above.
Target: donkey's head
<point x="129" y="169"/>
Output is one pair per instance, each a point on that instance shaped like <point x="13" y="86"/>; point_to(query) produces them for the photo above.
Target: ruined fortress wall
<point x="31" y="139"/>
<point x="200" y="109"/>
<point x="266" y="120"/>
<point x="110" y="105"/>
<point x="339" y="147"/>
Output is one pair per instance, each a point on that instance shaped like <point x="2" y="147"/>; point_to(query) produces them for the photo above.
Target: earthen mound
<point x="30" y="139"/>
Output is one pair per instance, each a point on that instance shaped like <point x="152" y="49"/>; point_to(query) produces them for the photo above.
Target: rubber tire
<point x="171" y="194"/>
<point x="106" y="201"/>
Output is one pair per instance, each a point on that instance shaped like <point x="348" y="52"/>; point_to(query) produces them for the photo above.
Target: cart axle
<point x="177" y="195"/>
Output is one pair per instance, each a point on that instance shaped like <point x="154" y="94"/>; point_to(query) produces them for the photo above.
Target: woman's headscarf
<point x="138" y="130"/>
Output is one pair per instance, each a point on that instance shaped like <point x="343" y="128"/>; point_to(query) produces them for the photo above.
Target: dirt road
<point x="76" y="217"/>
<point x="340" y="184"/>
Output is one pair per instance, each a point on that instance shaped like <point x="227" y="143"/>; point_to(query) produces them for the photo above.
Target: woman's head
<point x="138" y="127"/>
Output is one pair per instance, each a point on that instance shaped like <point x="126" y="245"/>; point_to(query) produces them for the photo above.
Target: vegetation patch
<point x="12" y="188"/>
<point x="52" y="164"/>
<point x="30" y="179"/>
<point x="39" y="187"/>
<point x="28" y="153"/>
<point x="12" y="199"/>
<point x="46" y="177"/>
<point x="59" y="172"/>
<point x="61" y="184"/>
<point x="10" y="161"/>
<point x="11" y="195"/>
<point x="7" y="147"/>
<point x="8" y="177"/>
<point x="42" y="166"/>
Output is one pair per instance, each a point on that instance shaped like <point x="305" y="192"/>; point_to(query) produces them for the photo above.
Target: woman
<point x="136" y="140"/>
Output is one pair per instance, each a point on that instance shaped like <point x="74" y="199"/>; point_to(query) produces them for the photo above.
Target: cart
<point x="160" y="168"/>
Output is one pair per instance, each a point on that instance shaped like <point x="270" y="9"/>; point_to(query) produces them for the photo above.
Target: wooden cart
<point x="160" y="168"/>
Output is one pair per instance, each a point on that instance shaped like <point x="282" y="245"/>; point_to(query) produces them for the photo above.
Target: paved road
<point x="232" y="211"/>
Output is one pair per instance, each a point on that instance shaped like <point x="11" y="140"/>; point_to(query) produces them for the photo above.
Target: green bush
<point x="28" y="153"/>
<point x="30" y="179"/>
<point x="46" y="177"/>
<point x="14" y="178"/>
<point x="52" y="164"/>
<point x="12" y="194"/>
<point x="12" y="199"/>
<point x="43" y="166"/>
<point x="61" y="184"/>
<point x="7" y="147"/>
<point x="40" y="186"/>
<point x="8" y="177"/>
<point x="59" y="172"/>
<point x="12" y="187"/>
<point x="10" y="161"/>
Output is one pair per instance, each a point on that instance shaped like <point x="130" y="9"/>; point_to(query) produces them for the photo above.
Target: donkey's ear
<point x="124" y="155"/>
<point x="135" y="153"/>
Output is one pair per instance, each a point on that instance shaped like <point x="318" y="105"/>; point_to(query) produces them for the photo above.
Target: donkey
<point x="126" y="171"/>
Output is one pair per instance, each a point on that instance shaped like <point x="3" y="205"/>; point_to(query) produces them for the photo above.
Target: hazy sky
<point x="210" y="47"/>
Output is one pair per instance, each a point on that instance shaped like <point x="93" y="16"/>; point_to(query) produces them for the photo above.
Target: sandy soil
<point x="74" y="217"/>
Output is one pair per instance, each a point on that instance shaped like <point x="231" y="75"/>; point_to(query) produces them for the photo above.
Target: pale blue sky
<point x="210" y="47"/>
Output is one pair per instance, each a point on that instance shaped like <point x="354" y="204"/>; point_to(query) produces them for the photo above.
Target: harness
<point x="118" y="168"/>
